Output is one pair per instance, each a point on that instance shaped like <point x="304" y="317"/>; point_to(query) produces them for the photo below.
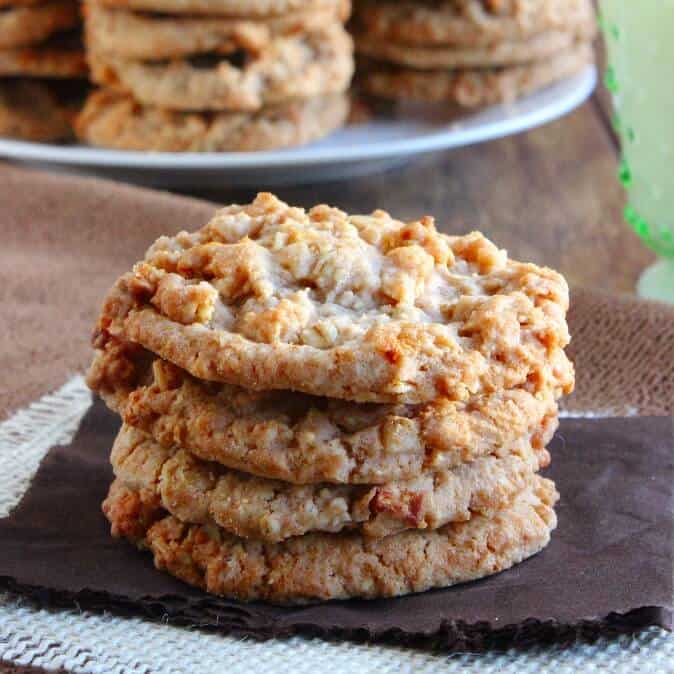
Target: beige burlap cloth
<point x="65" y="240"/>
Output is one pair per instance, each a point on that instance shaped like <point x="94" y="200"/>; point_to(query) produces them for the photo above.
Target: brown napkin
<point x="608" y="567"/>
<point x="66" y="239"/>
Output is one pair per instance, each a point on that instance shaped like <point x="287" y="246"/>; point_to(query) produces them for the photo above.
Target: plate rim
<point x="580" y="87"/>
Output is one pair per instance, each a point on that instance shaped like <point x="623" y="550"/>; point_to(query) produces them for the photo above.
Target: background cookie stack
<point x="318" y="405"/>
<point x="469" y="52"/>
<point x="215" y="75"/>
<point x="41" y="61"/>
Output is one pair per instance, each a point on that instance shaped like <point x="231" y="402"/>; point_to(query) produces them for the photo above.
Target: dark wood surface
<point x="550" y="195"/>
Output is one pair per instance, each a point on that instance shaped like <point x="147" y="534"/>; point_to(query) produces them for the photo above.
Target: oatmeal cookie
<point x="471" y="87"/>
<point x="61" y="57"/>
<point x="305" y="439"/>
<point x="114" y="120"/>
<point x="540" y="47"/>
<point x="311" y="64"/>
<point x="31" y="24"/>
<point x="469" y="23"/>
<point x="202" y="492"/>
<point x="31" y="110"/>
<point x="233" y="8"/>
<point x="133" y="35"/>
<point x="335" y="566"/>
<point x="363" y="308"/>
<point x="19" y="3"/>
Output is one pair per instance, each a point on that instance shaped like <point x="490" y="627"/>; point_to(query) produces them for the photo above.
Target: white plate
<point x="356" y="150"/>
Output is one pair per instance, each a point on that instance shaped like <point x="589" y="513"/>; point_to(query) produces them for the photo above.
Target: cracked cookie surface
<point x="30" y="24"/>
<point x="363" y="308"/>
<point x="306" y="439"/>
<point x="136" y="35"/>
<point x="234" y="8"/>
<point x="335" y="566"/>
<point x="30" y="110"/>
<point x="114" y="120"/>
<point x="471" y="87"/>
<point x="314" y="63"/>
<point x="201" y="492"/>
<point x="469" y="23"/>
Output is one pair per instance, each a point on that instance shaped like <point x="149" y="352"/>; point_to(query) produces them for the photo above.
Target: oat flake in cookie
<point x="363" y="308"/>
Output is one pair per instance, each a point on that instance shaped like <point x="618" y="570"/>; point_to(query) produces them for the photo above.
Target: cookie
<point x="363" y="308"/>
<point x="310" y="64"/>
<point x="133" y="35"/>
<point x="114" y="120"/>
<point x="471" y="87"/>
<point x="202" y="492"/>
<point x="470" y="24"/>
<point x="232" y="8"/>
<point x="542" y="46"/>
<point x="304" y="439"/>
<point x="19" y="3"/>
<point x="32" y="111"/>
<point x="31" y="24"/>
<point x="336" y="566"/>
<point x="57" y="58"/>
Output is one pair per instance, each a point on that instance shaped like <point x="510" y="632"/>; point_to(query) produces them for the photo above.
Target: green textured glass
<point x="640" y="39"/>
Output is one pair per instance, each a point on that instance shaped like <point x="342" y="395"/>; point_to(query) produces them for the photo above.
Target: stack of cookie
<point x="469" y="53"/>
<point x="215" y="75"/>
<point x="317" y="405"/>
<point x="42" y="66"/>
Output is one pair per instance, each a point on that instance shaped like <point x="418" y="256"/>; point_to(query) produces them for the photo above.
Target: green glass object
<point x="640" y="39"/>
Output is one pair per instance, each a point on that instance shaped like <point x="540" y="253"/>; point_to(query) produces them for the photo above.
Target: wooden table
<point x="550" y="196"/>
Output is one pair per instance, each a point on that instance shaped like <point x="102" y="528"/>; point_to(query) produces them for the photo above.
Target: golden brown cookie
<point x="33" y="111"/>
<point x="31" y="24"/>
<point x="114" y="120"/>
<point x="134" y="35"/>
<point x="358" y="307"/>
<point x="304" y="439"/>
<point x="537" y="48"/>
<point x="234" y="8"/>
<point x="201" y="492"/>
<point x="335" y="566"/>
<point x="468" y="23"/>
<point x="59" y="57"/>
<point x="19" y="3"/>
<point x="471" y="87"/>
<point x="310" y="64"/>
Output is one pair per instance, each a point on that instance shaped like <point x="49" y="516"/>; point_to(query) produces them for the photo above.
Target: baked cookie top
<point x="202" y="492"/>
<point x="32" y="110"/>
<point x="532" y="50"/>
<point x="61" y="56"/>
<point x="247" y="8"/>
<point x="24" y="25"/>
<point x="324" y="566"/>
<point x="301" y="65"/>
<point x="469" y="23"/>
<point x="305" y="439"/>
<point x="138" y="35"/>
<point x="112" y="119"/>
<point x="471" y="87"/>
<point x="363" y="308"/>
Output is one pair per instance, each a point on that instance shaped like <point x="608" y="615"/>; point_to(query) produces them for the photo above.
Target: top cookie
<point x="249" y="8"/>
<point x="363" y="308"/>
<point x="468" y="23"/>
